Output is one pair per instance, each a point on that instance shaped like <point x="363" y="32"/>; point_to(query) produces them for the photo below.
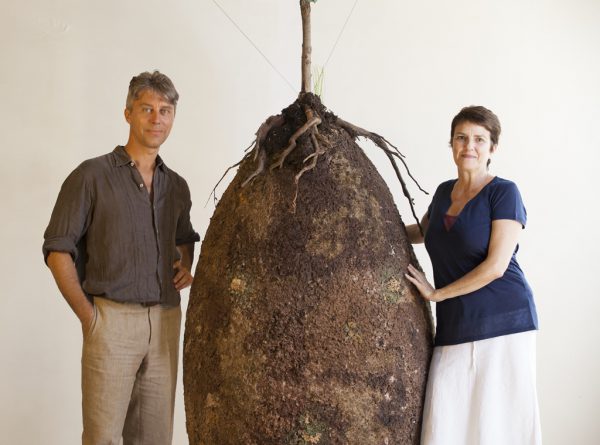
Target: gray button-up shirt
<point x="122" y="241"/>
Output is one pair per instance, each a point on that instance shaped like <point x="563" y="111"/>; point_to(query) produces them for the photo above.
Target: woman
<point x="481" y="387"/>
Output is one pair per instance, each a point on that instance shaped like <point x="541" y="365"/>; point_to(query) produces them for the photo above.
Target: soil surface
<point x="301" y="328"/>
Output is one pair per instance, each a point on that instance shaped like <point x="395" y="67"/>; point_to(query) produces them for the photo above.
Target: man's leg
<point x="112" y="353"/>
<point x="150" y="414"/>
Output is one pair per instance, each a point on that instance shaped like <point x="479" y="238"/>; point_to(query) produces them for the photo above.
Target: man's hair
<point x="481" y="116"/>
<point x="155" y="81"/>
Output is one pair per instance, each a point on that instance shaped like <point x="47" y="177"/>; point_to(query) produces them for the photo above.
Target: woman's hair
<point x="481" y="116"/>
<point x="155" y="81"/>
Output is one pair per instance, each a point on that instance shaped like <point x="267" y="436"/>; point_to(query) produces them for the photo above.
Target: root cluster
<point x="320" y="145"/>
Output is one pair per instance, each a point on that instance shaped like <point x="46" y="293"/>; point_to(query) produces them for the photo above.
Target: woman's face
<point x="471" y="147"/>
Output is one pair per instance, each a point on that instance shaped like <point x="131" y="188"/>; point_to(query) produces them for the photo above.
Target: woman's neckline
<point x="472" y="198"/>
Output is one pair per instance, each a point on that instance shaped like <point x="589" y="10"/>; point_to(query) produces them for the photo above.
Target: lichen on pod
<point x="301" y="328"/>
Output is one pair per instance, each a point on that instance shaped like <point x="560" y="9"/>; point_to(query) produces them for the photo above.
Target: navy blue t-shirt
<point x="504" y="306"/>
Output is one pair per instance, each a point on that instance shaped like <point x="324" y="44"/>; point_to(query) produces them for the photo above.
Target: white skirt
<point x="483" y="393"/>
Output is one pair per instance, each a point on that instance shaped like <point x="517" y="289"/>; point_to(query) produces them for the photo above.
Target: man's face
<point x="150" y="119"/>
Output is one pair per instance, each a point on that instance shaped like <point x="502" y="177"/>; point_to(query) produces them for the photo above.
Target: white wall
<point x="402" y="69"/>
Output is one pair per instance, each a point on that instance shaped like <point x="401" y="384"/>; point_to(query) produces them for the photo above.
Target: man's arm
<point x="183" y="276"/>
<point x="64" y="272"/>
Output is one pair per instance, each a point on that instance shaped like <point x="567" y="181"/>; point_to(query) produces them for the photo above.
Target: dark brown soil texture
<point x="301" y="328"/>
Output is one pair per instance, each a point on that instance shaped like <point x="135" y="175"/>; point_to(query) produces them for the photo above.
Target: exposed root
<point x="316" y="120"/>
<point x="320" y="149"/>
<point x="257" y="145"/>
<point x="314" y="136"/>
<point x="262" y="160"/>
<point x="214" y="190"/>
<point x="391" y="153"/>
<point x="396" y="153"/>
<point x="314" y="156"/>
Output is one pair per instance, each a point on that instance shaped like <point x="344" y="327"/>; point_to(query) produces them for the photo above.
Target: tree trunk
<point x="306" y="46"/>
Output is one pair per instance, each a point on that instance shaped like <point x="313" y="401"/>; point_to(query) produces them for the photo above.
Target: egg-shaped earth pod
<point x="301" y="328"/>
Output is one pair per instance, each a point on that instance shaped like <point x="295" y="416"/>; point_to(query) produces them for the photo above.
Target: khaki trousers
<point x="129" y="372"/>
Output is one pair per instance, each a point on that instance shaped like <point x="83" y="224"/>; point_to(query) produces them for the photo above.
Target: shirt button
<point x="132" y="164"/>
<point x="141" y="186"/>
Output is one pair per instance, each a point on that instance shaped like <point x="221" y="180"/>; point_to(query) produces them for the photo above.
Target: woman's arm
<point x="503" y="241"/>
<point x="414" y="234"/>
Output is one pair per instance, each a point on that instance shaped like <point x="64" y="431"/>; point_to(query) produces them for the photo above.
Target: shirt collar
<point x="122" y="158"/>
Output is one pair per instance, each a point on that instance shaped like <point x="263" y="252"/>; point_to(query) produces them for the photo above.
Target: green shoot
<point x="318" y="78"/>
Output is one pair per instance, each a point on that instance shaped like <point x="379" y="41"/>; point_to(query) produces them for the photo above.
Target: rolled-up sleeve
<point x="70" y="216"/>
<point x="185" y="233"/>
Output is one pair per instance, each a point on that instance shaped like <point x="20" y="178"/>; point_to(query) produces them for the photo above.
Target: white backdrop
<point x="402" y="69"/>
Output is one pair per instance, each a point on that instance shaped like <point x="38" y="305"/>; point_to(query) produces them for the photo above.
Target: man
<point x="120" y="246"/>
